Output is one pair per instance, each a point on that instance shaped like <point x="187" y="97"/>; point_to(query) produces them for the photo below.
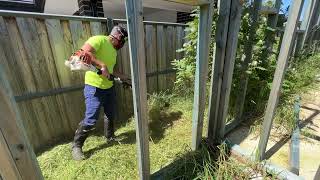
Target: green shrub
<point x="186" y="66"/>
<point x="260" y="71"/>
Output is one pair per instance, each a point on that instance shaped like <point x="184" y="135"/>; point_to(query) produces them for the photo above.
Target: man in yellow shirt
<point x="99" y="89"/>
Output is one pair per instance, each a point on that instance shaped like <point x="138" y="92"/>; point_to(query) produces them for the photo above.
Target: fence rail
<point x="33" y="48"/>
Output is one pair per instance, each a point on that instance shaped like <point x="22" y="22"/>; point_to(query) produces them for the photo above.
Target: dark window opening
<point x="23" y="5"/>
<point x="184" y="17"/>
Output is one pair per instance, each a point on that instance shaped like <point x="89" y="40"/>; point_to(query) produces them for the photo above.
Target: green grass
<point x="170" y="136"/>
<point x="214" y="163"/>
<point x="300" y="77"/>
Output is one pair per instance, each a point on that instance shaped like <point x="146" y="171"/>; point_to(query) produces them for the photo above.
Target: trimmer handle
<point x="117" y="79"/>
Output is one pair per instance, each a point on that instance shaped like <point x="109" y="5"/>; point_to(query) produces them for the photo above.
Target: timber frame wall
<point x="226" y="42"/>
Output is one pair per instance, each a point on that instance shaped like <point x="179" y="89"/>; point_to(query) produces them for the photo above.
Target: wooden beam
<point x="306" y="15"/>
<point x="269" y="10"/>
<point x="286" y="47"/>
<point x="248" y="48"/>
<point x="315" y="33"/>
<point x="294" y="160"/>
<point x="310" y="22"/>
<point x="315" y="25"/>
<point x="134" y="13"/>
<point x="298" y="44"/>
<point x="192" y="2"/>
<point x="8" y="168"/>
<point x="204" y="34"/>
<point x="218" y="61"/>
<point x="14" y="139"/>
<point x="230" y="55"/>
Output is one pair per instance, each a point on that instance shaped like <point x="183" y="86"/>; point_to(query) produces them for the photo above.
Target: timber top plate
<point x="191" y="2"/>
<point x="268" y="10"/>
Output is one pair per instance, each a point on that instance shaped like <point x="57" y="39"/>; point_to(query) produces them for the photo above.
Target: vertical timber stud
<point x="18" y="160"/>
<point x="204" y="37"/>
<point x="294" y="160"/>
<point x="218" y="61"/>
<point x="230" y="56"/>
<point x="306" y="14"/>
<point x="139" y="90"/>
<point x="310" y="22"/>
<point x="294" y="14"/>
<point x="315" y="27"/>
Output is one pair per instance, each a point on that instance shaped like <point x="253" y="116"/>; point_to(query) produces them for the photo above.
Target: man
<point x="99" y="89"/>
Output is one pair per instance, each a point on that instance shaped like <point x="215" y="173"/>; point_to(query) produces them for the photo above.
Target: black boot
<point x="80" y="136"/>
<point x="108" y="129"/>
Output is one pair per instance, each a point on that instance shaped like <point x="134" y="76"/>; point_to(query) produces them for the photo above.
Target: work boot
<point x="80" y="136"/>
<point x="77" y="153"/>
<point x="108" y="129"/>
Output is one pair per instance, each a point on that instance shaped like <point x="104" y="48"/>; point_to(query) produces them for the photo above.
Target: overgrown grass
<point x="300" y="77"/>
<point x="170" y="136"/>
<point x="213" y="163"/>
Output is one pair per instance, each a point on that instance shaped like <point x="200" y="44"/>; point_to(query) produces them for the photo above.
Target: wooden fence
<point x="33" y="48"/>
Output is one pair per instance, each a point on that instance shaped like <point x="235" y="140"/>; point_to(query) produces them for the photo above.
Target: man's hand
<point x="105" y="72"/>
<point x="90" y="52"/>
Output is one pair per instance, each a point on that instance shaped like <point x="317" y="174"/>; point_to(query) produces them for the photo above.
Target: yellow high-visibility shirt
<point x="106" y="53"/>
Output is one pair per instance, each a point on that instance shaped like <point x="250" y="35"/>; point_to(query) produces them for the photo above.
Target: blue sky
<point x="286" y="3"/>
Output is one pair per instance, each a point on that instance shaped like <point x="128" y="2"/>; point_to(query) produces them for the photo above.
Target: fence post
<point x="310" y="22"/>
<point x="218" y="110"/>
<point x="134" y="12"/>
<point x="232" y="43"/>
<point x="295" y="141"/>
<point x="315" y="33"/>
<point x="290" y="30"/>
<point x="204" y="37"/>
<point x="218" y="61"/>
<point x="18" y="160"/>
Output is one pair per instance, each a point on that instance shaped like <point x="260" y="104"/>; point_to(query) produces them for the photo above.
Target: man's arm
<point x="89" y="49"/>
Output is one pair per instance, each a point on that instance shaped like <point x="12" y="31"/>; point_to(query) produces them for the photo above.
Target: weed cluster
<point x="213" y="163"/>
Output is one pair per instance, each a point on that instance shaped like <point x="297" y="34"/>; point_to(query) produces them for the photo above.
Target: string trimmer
<point x="81" y="61"/>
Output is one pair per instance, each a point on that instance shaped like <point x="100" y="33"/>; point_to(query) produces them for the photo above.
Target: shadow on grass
<point x="160" y="122"/>
<point x="157" y="130"/>
<point x="90" y="152"/>
<point x="67" y="137"/>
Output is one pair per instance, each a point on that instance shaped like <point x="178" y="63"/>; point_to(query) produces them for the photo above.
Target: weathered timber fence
<point x="33" y="48"/>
